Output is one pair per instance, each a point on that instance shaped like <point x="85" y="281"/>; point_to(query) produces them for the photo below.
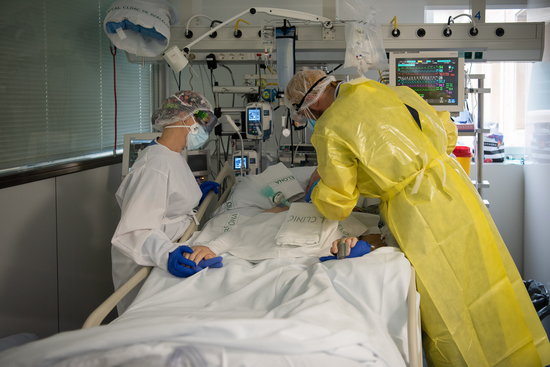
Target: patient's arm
<point x="314" y="177"/>
<point x="200" y="253"/>
<point x="276" y="209"/>
<point x="375" y="240"/>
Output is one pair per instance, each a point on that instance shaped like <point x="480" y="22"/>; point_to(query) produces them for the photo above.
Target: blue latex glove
<point x="215" y="262"/>
<point x="361" y="248"/>
<point x="307" y="198"/>
<point x="208" y="186"/>
<point x="178" y="265"/>
<point x="181" y="267"/>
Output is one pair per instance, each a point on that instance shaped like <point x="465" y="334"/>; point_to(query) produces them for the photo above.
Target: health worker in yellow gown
<point x="388" y="143"/>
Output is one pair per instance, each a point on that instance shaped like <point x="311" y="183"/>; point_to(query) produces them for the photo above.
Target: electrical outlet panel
<point x="236" y="56"/>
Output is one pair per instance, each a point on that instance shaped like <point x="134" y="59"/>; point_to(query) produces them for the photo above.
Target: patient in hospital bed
<point x="250" y="227"/>
<point x="272" y="303"/>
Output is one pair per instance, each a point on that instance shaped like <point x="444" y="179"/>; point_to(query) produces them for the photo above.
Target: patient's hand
<point x="200" y="253"/>
<point x="276" y="209"/>
<point x="351" y="242"/>
<point x="314" y="177"/>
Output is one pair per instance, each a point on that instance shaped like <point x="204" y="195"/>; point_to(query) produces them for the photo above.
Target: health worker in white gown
<point x="159" y="194"/>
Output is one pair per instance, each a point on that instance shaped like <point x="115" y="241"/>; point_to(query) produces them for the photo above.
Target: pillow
<point x="247" y="192"/>
<point x="278" y="180"/>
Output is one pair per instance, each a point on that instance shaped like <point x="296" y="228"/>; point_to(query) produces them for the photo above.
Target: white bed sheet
<point x="296" y="311"/>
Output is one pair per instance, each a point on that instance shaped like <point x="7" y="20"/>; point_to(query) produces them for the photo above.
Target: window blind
<point x="56" y="84"/>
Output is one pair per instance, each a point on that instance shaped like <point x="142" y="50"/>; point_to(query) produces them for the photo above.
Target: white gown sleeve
<point x="139" y="233"/>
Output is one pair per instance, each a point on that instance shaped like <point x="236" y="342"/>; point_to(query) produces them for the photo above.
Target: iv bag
<point x="364" y="39"/>
<point x="364" y="47"/>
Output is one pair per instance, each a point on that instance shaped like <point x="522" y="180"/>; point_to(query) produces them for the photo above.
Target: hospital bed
<point x="361" y="311"/>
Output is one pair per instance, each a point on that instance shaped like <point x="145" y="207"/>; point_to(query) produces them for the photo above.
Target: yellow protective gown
<point x="474" y="307"/>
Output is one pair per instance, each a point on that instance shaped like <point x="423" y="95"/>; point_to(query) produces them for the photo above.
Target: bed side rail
<point x="226" y="179"/>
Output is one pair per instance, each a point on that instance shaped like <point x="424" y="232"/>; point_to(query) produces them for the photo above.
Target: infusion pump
<point x="247" y="161"/>
<point x="259" y="120"/>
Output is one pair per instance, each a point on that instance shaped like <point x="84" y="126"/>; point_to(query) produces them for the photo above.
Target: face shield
<point x="304" y="90"/>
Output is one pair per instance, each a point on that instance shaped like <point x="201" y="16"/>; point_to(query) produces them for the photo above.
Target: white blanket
<point x="338" y="313"/>
<point x="303" y="226"/>
<point x="254" y="238"/>
<point x="264" y="235"/>
<point x="259" y="237"/>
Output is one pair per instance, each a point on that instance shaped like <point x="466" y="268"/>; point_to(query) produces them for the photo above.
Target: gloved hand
<point x="361" y="248"/>
<point x="307" y="198"/>
<point x="181" y="267"/>
<point x="178" y="265"/>
<point x="208" y="186"/>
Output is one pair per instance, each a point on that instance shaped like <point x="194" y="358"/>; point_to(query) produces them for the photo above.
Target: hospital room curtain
<point x="56" y="84"/>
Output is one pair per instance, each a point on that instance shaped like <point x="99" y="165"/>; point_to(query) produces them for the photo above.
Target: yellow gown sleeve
<point x="336" y="194"/>
<point x="450" y="128"/>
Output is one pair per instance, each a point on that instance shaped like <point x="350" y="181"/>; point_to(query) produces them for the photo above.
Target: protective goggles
<point x="302" y="114"/>
<point x="206" y="118"/>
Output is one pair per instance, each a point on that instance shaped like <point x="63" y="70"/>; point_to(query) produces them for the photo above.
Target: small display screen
<point x="198" y="162"/>
<point x="237" y="162"/>
<point x="136" y="146"/>
<point x="254" y="115"/>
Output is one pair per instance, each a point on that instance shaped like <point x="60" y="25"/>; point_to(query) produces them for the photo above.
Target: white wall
<point x="506" y="204"/>
<point x="407" y="11"/>
<point x="537" y="225"/>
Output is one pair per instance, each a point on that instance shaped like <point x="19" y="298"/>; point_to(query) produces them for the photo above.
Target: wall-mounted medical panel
<point x="492" y="42"/>
<point x="488" y="42"/>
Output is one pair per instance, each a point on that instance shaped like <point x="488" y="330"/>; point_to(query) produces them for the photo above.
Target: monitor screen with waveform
<point x="437" y="77"/>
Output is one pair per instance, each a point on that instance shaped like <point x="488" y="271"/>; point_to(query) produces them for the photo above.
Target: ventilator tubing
<point x="474" y="307"/>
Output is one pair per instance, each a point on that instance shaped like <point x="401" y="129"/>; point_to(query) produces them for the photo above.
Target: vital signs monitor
<point x="438" y="77"/>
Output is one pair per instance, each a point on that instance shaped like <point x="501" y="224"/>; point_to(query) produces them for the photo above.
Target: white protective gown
<point x="156" y="199"/>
